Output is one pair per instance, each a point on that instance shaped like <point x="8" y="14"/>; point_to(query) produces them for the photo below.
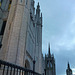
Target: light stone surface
<point x="22" y="40"/>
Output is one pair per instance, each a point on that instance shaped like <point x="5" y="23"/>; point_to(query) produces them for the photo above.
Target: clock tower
<point x="50" y="63"/>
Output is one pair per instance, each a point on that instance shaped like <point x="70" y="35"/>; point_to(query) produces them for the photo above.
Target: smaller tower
<point x="68" y="71"/>
<point x="50" y="63"/>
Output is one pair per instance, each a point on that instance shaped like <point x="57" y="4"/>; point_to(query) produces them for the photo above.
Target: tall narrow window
<point x="9" y="5"/>
<point x="1" y="2"/>
<point x="3" y="27"/>
<point x="2" y="32"/>
<point x="26" y="2"/>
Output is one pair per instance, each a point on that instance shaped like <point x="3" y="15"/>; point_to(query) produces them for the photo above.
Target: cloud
<point x="59" y="30"/>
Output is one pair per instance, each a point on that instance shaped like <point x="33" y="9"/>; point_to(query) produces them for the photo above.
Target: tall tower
<point x="38" y="19"/>
<point x="68" y="70"/>
<point x="13" y="44"/>
<point x="22" y="33"/>
<point x="50" y="63"/>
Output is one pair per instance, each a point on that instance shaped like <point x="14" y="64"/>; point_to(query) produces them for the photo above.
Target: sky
<point x="59" y="31"/>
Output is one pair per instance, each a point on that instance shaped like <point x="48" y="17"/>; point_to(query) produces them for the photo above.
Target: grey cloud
<point x="59" y="29"/>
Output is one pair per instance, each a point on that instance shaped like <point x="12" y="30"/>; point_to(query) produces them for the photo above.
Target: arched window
<point x="27" y="64"/>
<point x="48" y="64"/>
<point x="9" y="5"/>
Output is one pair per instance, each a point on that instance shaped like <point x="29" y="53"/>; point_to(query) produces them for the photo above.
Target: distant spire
<point x="49" y="50"/>
<point x="68" y="66"/>
<point x="38" y="11"/>
<point x="38" y="6"/>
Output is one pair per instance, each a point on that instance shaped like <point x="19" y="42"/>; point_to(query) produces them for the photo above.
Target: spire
<point x="49" y="50"/>
<point x="38" y="6"/>
<point x="68" y="66"/>
<point x="38" y="10"/>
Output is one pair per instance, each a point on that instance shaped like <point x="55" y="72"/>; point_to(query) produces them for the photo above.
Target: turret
<point x="38" y="16"/>
<point x="68" y="66"/>
<point x="49" y="53"/>
<point x="38" y="10"/>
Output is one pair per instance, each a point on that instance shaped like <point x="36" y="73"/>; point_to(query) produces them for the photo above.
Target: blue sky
<point x="59" y="30"/>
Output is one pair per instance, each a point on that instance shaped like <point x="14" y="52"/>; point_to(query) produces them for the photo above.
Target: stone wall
<point x="22" y="39"/>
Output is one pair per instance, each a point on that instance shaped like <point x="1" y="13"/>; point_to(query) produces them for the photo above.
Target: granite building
<point x="21" y="33"/>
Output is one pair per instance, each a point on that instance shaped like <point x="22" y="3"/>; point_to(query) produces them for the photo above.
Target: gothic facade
<point x="21" y="33"/>
<point x="50" y="64"/>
